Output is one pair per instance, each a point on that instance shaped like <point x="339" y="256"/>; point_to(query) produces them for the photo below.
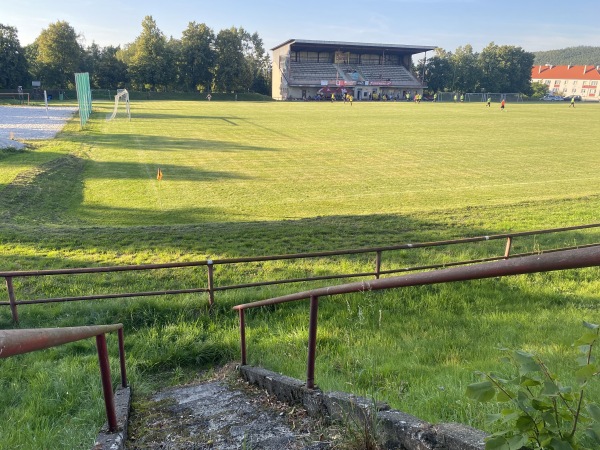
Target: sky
<point x="449" y="24"/>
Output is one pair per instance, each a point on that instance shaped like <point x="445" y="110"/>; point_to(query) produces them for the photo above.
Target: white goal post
<point x="121" y="97"/>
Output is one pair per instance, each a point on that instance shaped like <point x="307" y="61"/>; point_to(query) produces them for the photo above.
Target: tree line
<point x="582" y="55"/>
<point x="232" y="60"/>
<point x="497" y="68"/>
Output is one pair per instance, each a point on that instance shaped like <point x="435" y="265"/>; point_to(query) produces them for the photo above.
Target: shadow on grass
<point x="164" y="143"/>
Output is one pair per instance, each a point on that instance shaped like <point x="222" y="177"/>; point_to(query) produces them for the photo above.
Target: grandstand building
<point x="569" y="80"/>
<point x="306" y="69"/>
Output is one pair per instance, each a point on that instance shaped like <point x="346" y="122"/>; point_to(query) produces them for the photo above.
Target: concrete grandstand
<point x="309" y="70"/>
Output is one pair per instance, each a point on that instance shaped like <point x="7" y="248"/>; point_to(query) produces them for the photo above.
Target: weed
<point x="540" y="412"/>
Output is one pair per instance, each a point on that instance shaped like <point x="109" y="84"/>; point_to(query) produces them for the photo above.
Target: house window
<point x="592" y="92"/>
<point x="574" y="91"/>
<point x="583" y="91"/>
<point x="575" y="83"/>
<point x="547" y="82"/>
<point x="594" y="83"/>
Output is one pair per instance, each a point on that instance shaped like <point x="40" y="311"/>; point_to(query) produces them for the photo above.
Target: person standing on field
<point x="502" y="103"/>
<point x="572" y="102"/>
<point x="489" y="102"/>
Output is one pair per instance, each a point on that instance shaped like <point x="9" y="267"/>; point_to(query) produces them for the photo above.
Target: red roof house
<point x="569" y="80"/>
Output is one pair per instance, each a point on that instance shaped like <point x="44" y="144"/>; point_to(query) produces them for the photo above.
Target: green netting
<point x="84" y="96"/>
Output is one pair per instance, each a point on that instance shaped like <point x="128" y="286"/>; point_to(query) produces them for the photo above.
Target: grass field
<point x="250" y="179"/>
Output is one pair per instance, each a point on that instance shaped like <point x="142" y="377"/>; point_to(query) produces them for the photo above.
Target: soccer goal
<point x="122" y="97"/>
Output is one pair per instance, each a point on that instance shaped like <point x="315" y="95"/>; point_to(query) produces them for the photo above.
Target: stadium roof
<point x="299" y="44"/>
<point x="549" y="72"/>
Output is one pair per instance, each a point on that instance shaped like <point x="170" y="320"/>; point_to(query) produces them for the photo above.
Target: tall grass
<point x="247" y="179"/>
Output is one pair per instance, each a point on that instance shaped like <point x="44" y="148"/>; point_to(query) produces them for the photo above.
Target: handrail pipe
<point x="18" y="342"/>
<point x="545" y="262"/>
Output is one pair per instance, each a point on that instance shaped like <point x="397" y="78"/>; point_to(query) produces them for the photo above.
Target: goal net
<point x="122" y="98"/>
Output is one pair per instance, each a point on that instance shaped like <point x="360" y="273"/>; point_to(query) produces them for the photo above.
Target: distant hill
<point x="582" y="55"/>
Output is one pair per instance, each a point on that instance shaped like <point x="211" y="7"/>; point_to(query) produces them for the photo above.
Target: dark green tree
<point x="89" y="59"/>
<point x="232" y="72"/>
<point x="259" y="62"/>
<point x="197" y="57"/>
<point x="438" y="71"/>
<point x="465" y="71"/>
<point x="505" y="69"/>
<point x="538" y="90"/>
<point x="496" y="69"/>
<point x="517" y="63"/>
<point x="148" y="58"/>
<point x="109" y="72"/>
<point x="58" y="55"/>
<point x="13" y="65"/>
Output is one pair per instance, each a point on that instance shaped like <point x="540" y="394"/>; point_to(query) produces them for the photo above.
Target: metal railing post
<point x="508" y="247"/>
<point x="211" y="285"/>
<point x="312" y="342"/>
<point x="12" y="300"/>
<point x="109" y="401"/>
<point x="122" y="357"/>
<point x="242" y="336"/>
<point x="378" y="264"/>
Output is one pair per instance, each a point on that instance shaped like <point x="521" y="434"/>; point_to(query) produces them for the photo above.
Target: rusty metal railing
<point x="210" y="264"/>
<point x="17" y="342"/>
<point x="567" y="259"/>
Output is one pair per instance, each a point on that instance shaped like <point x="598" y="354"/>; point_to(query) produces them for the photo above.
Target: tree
<point x="258" y="61"/>
<point x="438" y="71"/>
<point x="496" y="69"/>
<point x="517" y="63"/>
<point x="505" y="69"/>
<point x="232" y="71"/>
<point x="466" y="74"/>
<point x="148" y="57"/>
<point x="13" y="65"/>
<point x="58" y="55"/>
<point x="538" y="90"/>
<point x="197" y="57"/>
<point x="89" y="59"/>
<point x="108" y="71"/>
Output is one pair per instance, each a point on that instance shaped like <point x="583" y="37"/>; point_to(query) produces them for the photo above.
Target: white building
<point x="305" y="69"/>
<point x="569" y="80"/>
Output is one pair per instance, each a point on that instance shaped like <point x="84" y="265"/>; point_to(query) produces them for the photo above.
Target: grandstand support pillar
<point x="211" y="283"/>
<point x="378" y="264"/>
<point x="109" y="401"/>
<point x="12" y="299"/>
<point x="508" y="247"/>
<point x="242" y="336"/>
<point x="312" y="342"/>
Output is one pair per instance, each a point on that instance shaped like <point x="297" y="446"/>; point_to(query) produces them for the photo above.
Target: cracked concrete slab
<point x="224" y="415"/>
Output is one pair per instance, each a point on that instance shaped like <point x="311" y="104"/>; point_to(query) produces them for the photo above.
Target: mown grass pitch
<point x="242" y="179"/>
<point x="231" y="162"/>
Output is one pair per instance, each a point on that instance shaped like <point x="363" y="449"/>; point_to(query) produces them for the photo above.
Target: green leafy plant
<point x="540" y="412"/>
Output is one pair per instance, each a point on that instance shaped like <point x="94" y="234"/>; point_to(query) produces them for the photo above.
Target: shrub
<point x="539" y="412"/>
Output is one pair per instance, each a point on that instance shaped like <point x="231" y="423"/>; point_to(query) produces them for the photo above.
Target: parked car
<point x="568" y="98"/>
<point x="552" y="98"/>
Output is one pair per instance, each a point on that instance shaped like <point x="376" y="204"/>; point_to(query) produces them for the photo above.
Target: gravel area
<point x="24" y="123"/>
